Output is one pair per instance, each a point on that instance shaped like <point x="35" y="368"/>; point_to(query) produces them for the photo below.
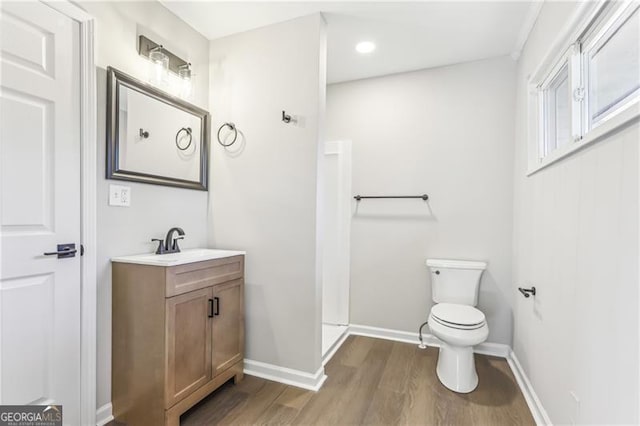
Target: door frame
<point x="343" y="150"/>
<point x="88" y="207"/>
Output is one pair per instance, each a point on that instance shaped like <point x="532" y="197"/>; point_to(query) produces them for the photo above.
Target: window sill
<point x="627" y="117"/>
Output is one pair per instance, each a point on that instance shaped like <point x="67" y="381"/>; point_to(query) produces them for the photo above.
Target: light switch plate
<point x="119" y="195"/>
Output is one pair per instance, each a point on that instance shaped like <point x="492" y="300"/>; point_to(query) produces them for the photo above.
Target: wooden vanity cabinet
<point x="177" y="335"/>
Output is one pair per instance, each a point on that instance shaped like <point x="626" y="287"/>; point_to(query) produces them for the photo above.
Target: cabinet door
<point x="188" y="340"/>
<point x="228" y="325"/>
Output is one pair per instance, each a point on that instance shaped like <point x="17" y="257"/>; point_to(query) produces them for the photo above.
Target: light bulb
<point x="159" y="66"/>
<point x="365" y="47"/>
<point x="184" y="72"/>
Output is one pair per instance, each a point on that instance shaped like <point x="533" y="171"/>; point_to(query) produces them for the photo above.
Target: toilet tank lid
<point x="456" y="264"/>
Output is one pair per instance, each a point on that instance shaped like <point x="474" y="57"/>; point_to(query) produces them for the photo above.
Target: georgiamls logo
<point x="30" y="415"/>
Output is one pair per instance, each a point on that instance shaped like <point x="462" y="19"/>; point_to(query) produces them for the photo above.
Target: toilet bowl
<point x="455" y="321"/>
<point x="459" y="328"/>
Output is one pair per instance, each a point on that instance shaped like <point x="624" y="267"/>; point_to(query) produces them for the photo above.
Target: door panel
<point x="27" y="301"/>
<point x="27" y="163"/>
<point x="188" y="336"/>
<point x="26" y="43"/>
<point x="228" y="328"/>
<point x="39" y="207"/>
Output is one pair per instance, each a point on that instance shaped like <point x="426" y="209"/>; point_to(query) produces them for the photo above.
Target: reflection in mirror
<point x="154" y="137"/>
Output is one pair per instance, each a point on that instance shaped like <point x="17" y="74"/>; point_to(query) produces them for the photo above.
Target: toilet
<point x="455" y="321"/>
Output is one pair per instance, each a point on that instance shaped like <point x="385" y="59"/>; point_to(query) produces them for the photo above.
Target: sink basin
<point x="173" y="259"/>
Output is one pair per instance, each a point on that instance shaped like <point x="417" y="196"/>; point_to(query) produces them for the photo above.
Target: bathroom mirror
<point x="154" y="137"/>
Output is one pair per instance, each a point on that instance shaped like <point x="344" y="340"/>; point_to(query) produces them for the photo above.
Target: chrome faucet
<point x="170" y="244"/>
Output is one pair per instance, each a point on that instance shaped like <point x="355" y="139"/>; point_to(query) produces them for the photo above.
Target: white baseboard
<point x="535" y="405"/>
<point x="385" y="333"/>
<point x="104" y="415"/>
<point x="288" y="376"/>
<point x="493" y="349"/>
<point x="327" y="357"/>
<point x="487" y="348"/>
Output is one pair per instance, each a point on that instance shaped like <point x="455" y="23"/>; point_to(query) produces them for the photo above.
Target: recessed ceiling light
<point x="365" y="47"/>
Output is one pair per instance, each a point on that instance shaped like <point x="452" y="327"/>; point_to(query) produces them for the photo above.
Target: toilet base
<point x="456" y="368"/>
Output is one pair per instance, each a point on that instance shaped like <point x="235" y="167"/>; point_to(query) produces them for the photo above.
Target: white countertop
<point x="173" y="259"/>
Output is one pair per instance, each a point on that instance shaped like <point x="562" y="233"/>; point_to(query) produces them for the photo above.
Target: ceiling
<point x="408" y="35"/>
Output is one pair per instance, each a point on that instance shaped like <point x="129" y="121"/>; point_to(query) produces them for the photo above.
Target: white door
<point x="39" y="207"/>
<point x="337" y="232"/>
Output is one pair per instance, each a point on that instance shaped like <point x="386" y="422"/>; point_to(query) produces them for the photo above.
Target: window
<point x="556" y="115"/>
<point x="613" y="67"/>
<point x="592" y="86"/>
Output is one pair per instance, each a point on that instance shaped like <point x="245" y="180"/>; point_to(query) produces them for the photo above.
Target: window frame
<point x="543" y="100"/>
<point x="592" y="25"/>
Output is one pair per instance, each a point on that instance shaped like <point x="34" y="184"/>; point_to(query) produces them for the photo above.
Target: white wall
<point x="447" y="132"/>
<point x="154" y="209"/>
<point x="264" y="188"/>
<point x="576" y="240"/>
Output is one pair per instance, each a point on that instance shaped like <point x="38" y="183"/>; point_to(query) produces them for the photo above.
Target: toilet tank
<point x="455" y="281"/>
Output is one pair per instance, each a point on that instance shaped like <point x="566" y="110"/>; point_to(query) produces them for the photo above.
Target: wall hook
<point x="144" y="134"/>
<point x="286" y="117"/>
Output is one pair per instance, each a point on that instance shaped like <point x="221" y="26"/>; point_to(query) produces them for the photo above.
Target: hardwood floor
<point x="371" y="382"/>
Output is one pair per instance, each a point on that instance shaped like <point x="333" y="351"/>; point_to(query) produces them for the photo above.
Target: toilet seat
<point x="462" y="317"/>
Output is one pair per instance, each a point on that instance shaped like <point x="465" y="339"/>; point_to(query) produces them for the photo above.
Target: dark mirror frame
<point x="116" y="79"/>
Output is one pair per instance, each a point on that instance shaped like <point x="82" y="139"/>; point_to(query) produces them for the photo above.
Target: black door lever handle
<point x="64" y="251"/>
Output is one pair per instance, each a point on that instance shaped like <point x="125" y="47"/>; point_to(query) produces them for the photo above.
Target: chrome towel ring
<point x="188" y="130"/>
<point x="233" y="128"/>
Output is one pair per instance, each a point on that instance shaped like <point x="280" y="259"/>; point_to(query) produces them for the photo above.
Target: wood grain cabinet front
<point x="188" y="343"/>
<point x="177" y="335"/>
<point x="228" y="327"/>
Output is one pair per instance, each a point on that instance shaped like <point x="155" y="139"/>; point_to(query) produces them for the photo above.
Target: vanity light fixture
<point x="163" y="64"/>
<point x="184" y="72"/>
<point x="365" y="47"/>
